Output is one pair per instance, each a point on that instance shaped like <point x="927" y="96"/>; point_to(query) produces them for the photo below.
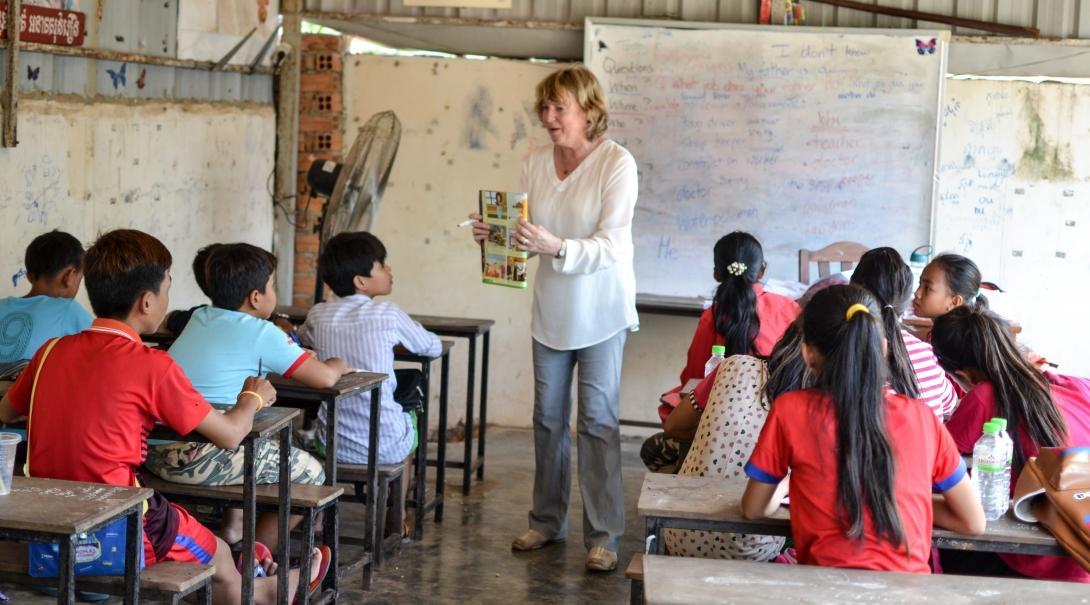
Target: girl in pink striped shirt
<point x="913" y="369"/>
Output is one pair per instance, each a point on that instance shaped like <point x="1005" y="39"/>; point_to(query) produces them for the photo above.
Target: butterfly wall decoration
<point x="32" y="73"/>
<point x="926" y="47"/>
<point x="117" y="77"/>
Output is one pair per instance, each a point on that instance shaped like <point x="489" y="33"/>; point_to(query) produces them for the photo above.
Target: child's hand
<point x="480" y="230"/>
<point x="262" y="387"/>
<point x="339" y="365"/>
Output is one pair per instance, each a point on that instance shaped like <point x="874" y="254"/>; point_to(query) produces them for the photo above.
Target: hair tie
<point x="736" y="268"/>
<point x="856" y="308"/>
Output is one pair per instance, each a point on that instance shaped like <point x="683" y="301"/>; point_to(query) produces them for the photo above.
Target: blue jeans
<point x="598" y="441"/>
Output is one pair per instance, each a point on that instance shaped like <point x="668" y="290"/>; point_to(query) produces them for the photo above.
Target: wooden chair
<point x="845" y="253"/>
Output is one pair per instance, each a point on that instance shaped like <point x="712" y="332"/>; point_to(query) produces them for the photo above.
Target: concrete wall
<point x="188" y="173"/>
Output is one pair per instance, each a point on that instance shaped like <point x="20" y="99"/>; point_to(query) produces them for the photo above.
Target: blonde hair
<point x="579" y="81"/>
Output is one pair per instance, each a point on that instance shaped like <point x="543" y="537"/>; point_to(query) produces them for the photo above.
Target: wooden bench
<point x="306" y="500"/>
<point x="689" y="581"/>
<point x="390" y="478"/>
<point x="634" y="572"/>
<point x="169" y="580"/>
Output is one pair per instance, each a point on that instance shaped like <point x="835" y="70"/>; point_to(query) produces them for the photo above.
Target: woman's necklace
<point x="566" y="167"/>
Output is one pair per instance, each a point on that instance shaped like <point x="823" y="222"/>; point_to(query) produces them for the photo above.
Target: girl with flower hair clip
<point x="743" y="317"/>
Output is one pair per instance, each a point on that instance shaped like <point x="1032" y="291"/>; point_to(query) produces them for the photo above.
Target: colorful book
<point x="502" y="262"/>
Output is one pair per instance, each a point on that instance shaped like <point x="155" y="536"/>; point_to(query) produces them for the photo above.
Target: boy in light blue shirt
<point x="222" y="345"/>
<point x="54" y="268"/>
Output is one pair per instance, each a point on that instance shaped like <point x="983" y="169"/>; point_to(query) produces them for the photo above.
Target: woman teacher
<point x="582" y="193"/>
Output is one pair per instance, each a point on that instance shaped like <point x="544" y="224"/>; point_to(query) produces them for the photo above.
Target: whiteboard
<point x="801" y="136"/>
<point x="1014" y="195"/>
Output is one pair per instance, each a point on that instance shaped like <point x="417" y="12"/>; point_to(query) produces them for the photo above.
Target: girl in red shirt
<point x="1042" y="409"/>
<point x="889" y="452"/>
<point x="743" y="317"/>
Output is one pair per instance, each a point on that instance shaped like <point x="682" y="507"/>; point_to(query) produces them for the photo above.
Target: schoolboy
<point x="177" y="320"/>
<point x="100" y="392"/>
<point x="219" y="348"/>
<point x="364" y="332"/>
<point x="54" y="268"/>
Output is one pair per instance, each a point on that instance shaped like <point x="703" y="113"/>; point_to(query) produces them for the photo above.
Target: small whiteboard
<point x="801" y="136"/>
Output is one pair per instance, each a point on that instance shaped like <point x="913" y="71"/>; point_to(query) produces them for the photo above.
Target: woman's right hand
<point x="480" y="230"/>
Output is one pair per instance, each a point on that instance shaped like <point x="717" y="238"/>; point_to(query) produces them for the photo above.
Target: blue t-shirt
<point x="26" y="323"/>
<point x="219" y="349"/>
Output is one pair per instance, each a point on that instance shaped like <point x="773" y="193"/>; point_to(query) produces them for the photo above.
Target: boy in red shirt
<point x="101" y="391"/>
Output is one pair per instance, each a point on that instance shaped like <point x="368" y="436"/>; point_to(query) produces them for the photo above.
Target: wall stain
<point x="478" y="119"/>
<point x="1042" y="159"/>
<point x="519" y="133"/>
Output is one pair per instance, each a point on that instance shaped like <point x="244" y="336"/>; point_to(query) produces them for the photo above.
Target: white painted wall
<point x="190" y="174"/>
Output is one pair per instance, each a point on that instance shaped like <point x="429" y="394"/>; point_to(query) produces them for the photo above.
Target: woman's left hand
<point x="534" y="238"/>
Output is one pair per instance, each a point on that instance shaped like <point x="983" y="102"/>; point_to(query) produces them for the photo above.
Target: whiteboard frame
<point x="944" y="35"/>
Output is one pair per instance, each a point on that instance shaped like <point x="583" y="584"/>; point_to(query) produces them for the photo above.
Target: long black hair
<point x="884" y="274"/>
<point x="962" y="278"/>
<point x="853" y="373"/>
<point x="977" y="339"/>
<point x="739" y="261"/>
<point x="787" y="369"/>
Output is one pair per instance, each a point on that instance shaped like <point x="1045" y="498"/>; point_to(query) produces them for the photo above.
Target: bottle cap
<point x="990" y="428"/>
<point x="1000" y="422"/>
<point x="719" y="350"/>
<point x="920" y="255"/>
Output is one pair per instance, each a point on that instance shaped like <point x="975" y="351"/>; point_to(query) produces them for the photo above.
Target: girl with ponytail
<point x="947" y="282"/>
<point x="1042" y="410"/>
<point x="889" y="451"/>
<point x="743" y="317"/>
<point x="913" y="369"/>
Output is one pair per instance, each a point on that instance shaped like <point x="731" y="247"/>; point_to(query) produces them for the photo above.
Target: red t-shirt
<point x="1072" y="396"/>
<point x="800" y="435"/>
<point x="776" y="313"/>
<point x="99" y="395"/>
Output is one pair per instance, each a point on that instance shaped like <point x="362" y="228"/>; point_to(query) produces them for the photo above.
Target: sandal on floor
<point x="326" y="556"/>
<point x="261" y="553"/>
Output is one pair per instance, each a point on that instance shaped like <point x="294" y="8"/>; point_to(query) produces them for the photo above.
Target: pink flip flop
<point x="261" y="553"/>
<point x="323" y="567"/>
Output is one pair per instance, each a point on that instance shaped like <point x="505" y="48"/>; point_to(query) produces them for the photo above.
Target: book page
<point x="503" y="263"/>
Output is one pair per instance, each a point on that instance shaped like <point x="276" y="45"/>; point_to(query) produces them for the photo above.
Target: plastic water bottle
<point x="1006" y="438"/>
<point x="917" y="261"/>
<point x="991" y="472"/>
<point x="719" y="353"/>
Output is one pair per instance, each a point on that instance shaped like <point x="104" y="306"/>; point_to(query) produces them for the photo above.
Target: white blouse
<point x="588" y="296"/>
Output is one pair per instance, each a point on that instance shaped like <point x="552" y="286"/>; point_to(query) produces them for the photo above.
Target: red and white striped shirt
<point x="936" y="389"/>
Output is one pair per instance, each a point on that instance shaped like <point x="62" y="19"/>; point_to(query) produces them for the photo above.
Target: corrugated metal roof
<point x="1055" y="18"/>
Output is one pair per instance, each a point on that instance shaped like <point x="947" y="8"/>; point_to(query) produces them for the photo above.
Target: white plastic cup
<point x="8" y="443"/>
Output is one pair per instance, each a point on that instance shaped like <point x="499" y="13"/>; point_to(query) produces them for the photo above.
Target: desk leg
<point x="467" y="465"/>
<point x="283" y="550"/>
<point x="420" y="487"/>
<point x="374" y="508"/>
<point x="67" y="588"/>
<point x="441" y="467"/>
<point x="331" y="534"/>
<point x="134" y="545"/>
<point x="249" y="529"/>
<point x="482" y="419"/>
<point x="331" y="441"/>
<point x="307" y="526"/>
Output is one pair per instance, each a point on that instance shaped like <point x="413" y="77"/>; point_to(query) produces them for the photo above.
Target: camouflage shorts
<point x="206" y="464"/>
<point x="662" y="454"/>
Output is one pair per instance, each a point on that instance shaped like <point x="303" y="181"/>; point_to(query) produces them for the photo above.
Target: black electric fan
<point x="354" y="188"/>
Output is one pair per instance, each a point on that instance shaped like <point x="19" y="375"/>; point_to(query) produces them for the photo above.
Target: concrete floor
<point x="468" y="559"/>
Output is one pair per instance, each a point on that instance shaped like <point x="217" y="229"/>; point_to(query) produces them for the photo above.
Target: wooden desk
<point x="422" y="504"/>
<point x="451" y="327"/>
<point x="689" y="581"/>
<point x="470" y="329"/>
<point x="709" y="504"/>
<point x="291" y="392"/>
<point x="268" y="422"/>
<point x="51" y="510"/>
